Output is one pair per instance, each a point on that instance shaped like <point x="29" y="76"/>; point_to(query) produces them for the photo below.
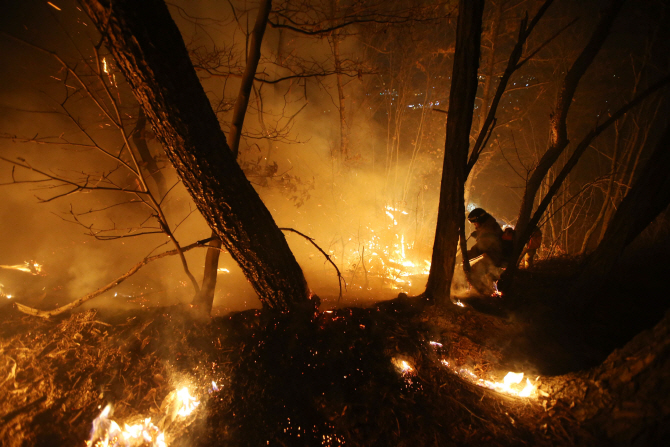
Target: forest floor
<point x="399" y="373"/>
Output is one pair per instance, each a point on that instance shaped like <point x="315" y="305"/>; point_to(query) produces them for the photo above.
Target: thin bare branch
<point x="339" y="275"/>
<point x="50" y="313"/>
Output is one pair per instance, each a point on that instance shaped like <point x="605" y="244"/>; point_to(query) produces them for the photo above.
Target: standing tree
<point x="205" y="298"/>
<point x="451" y="211"/>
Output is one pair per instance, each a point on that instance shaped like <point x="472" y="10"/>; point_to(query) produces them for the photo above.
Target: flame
<point x="2" y="292"/>
<point x="222" y="270"/>
<point x="509" y="385"/>
<point x="403" y="366"/>
<point x="104" y="65"/>
<point x="188" y="402"/>
<point x="28" y="267"/>
<point x="496" y="292"/>
<point x="108" y="433"/>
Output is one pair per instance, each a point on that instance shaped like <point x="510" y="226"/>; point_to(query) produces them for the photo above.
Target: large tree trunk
<point x="648" y="197"/>
<point x="150" y="51"/>
<point x="205" y="299"/>
<point x="451" y="212"/>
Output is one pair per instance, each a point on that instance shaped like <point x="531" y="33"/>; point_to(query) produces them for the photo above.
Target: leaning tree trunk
<point x="151" y="53"/>
<point x="648" y="197"/>
<point x="205" y="299"/>
<point x="451" y="213"/>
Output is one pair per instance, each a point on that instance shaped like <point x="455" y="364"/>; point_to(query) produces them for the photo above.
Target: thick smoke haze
<point x="372" y="211"/>
<point x="341" y="205"/>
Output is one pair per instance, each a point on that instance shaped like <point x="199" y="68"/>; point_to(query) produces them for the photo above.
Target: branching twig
<point x="339" y="275"/>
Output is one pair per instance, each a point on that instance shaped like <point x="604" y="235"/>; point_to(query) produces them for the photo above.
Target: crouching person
<point x="530" y="250"/>
<point x="487" y="254"/>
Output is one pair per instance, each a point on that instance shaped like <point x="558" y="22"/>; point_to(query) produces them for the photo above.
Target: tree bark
<point x="205" y="299"/>
<point x="451" y="213"/>
<point x="151" y="53"/>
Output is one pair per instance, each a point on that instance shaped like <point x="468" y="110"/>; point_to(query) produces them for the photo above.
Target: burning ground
<point x="401" y="372"/>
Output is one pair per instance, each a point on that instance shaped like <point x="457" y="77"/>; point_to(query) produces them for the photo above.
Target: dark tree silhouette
<point x="451" y="210"/>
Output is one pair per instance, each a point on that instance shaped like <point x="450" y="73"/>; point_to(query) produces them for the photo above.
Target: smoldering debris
<point x="261" y="379"/>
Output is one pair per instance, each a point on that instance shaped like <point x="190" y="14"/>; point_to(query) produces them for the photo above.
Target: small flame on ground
<point x="28" y="267"/>
<point x="188" y="402"/>
<point x="2" y="292"/>
<point x="403" y="366"/>
<point x="108" y="433"/>
<point x="459" y="303"/>
<point x="434" y="343"/>
<point x="496" y="292"/>
<point x="104" y="65"/>
<point x="222" y="270"/>
<point x="509" y="385"/>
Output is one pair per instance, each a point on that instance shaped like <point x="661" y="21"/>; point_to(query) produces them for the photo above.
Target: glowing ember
<point x="436" y="344"/>
<point x="28" y="267"/>
<point x="403" y="366"/>
<point x="222" y="270"/>
<point x="188" y="402"/>
<point x="53" y="6"/>
<point x="104" y="65"/>
<point x="2" y="292"/>
<point x="496" y="292"/>
<point x="459" y="303"/>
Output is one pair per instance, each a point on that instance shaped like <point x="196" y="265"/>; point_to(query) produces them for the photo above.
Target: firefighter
<point x="487" y="253"/>
<point x="488" y="235"/>
<point x="530" y="250"/>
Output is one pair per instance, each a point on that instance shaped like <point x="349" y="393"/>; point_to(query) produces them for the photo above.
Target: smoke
<point x="372" y="212"/>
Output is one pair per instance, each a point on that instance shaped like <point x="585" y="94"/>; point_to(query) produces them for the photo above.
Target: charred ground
<point x="330" y="380"/>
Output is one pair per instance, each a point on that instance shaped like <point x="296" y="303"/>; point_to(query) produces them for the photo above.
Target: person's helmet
<point x="477" y="215"/>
